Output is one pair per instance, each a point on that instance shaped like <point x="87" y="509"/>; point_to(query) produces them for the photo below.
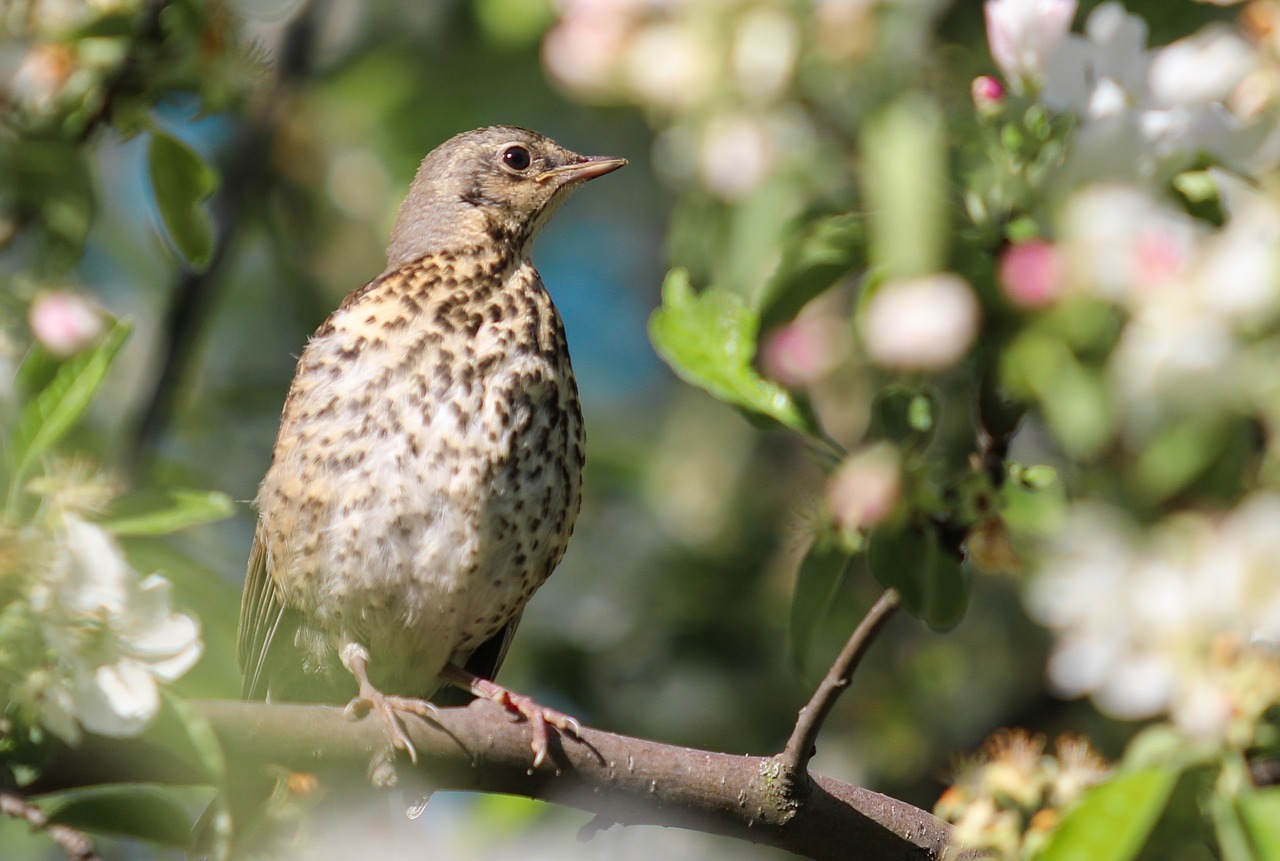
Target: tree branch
<point x="478" y="747"/>
<point x="72" y="843"/>
<point x="794" y="759"/>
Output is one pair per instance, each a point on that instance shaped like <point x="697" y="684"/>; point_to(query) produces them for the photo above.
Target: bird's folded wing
<point x="261" y="613"/>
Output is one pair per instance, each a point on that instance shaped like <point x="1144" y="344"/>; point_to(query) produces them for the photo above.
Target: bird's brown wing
<point x="262" y="615"/>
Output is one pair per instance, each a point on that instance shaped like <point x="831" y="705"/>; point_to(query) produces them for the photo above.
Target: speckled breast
<point x="428" y="472"/>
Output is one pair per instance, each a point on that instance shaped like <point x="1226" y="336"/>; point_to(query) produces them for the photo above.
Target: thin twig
<point x="73" y="844"/>
<point x="795" y="757"/>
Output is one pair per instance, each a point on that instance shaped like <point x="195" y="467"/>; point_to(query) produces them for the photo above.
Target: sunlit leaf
<point x="56" y="409"/>
<point x="161" y="511"/>
<point x="181" y="181"/>
<point x="1114" y="819"/>
<point x="1260" y="812"/>
<point x="709" y="340"/>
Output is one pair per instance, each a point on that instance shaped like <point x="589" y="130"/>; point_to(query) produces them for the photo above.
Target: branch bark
<point x="478" y="747"/>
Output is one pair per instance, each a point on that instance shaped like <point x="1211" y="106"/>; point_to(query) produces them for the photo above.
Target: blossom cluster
<point x="86" y="640"/>
<point x="42" y="71"/>
<point x="1010" y="797"/>
<point x="1181" y="619"/>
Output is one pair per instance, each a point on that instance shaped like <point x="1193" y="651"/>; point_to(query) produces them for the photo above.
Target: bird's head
<point x="493" y="184"/>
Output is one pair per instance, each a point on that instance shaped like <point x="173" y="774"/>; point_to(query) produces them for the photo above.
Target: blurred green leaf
<point x="514" y="22"/>
<point x="47" y="179"/>
<point x="146" y="813"/>
<point x="1260" y="812"/>
<point x="161" y="511"/>
<point x="47" y="417"/>
<point x="709" y="340"/>
<point x="904" y="172"/>
<point x="934" y="585"/>
<point x="1180" y="452"/>
<point x="35" y="372"/>
<point x="1229" y="828"/>
<point x="1113" y="820"/>
<point x="181" y="181"/>
<point x="1073" y="396"/>
<point x="184" y="732"/>
<point x="904" y="415"/>
<point x="813" y="260"/>
<point x="823" y="569"/>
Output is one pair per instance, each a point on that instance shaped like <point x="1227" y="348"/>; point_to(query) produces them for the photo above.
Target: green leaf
<point x="709" y="340"/>
<point x="1114" y="819"/>
<point x="56" y="409"/>
<point x="35" y="372"/>
<point x="905" y="415"/>
<point x="161" y="511"/>
<point x="181" y="181"/>
<point x="823" y="569"/>
<point x="1178" y="455"/>
<point x="514" y="23"/>
<point x="129" y="811"/>
<point x="933" y="584"/>
<point x="905" y="174"/>
<point x="1074" y="396"/>
<point x="1260" y="812"/>
<point x="181" y="730"/>
<point x="819" y="256"/>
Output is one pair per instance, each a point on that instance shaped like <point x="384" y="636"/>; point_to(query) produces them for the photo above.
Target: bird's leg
<point x="355" y="658"/>
<point x="539" y="717"/>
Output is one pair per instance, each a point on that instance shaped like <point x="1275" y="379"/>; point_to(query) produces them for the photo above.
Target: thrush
<point x="428" y="469"/>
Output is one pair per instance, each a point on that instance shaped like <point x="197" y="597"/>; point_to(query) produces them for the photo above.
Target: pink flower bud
<point x="1031" y="274"/>
<point x="988" y="95"/>
<point x="804" y="350"/>
<point x="65" y="323"/>
<point x="866" y="488"/>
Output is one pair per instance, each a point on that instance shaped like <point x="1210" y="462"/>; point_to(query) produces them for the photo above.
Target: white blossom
<point x="925" y="323"/>
<point x="114" y="634"/>
<point x="1194" y="295"/>
<point x="735" y="154"/>
<point x="1023" y="34"/>
<point x="1146" y="113"/>
<point x="1136" y="616"/>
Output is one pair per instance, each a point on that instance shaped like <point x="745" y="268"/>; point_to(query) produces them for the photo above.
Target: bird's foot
<point x="388" y="707"/>
<point x="540" y="717"/>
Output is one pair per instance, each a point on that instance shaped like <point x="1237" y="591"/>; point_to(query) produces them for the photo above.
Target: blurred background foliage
<point x="221" y="174"/>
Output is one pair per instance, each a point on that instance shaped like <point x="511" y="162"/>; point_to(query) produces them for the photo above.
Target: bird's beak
<point x="580" y="171"/>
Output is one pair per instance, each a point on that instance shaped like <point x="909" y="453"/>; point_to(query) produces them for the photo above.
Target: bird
<point x="427" y="473"/>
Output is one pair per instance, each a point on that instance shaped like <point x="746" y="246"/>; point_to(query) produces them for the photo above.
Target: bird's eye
<point x="516" y="157"/>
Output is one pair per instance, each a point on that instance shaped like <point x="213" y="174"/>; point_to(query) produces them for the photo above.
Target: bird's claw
<point x="391" y="709"/>
<point x="539" y="717"/>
